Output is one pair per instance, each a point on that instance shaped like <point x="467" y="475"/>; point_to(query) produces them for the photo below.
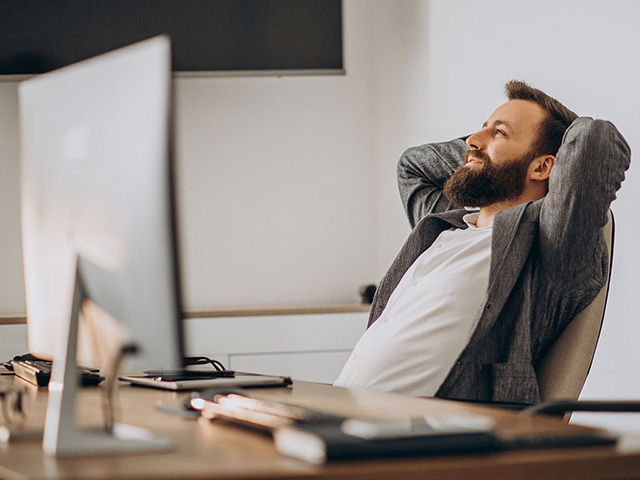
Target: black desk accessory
<point x="38" y="372"/>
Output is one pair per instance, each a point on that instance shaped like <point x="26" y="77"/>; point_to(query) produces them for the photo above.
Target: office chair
<point x="563" y="368"/>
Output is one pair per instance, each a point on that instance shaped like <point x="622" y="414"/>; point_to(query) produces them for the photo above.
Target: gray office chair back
<point x="564" y="367"/>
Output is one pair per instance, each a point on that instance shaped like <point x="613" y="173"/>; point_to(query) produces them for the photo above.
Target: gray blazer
<point x="548" y="257"/>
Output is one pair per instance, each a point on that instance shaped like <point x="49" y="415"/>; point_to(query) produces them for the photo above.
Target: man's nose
<point x="476" y="141"/>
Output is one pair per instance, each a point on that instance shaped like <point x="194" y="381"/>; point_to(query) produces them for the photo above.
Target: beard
<point x="469" y="187"/>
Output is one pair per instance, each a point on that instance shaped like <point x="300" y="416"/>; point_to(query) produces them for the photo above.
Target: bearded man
<point x="474" y="298"/>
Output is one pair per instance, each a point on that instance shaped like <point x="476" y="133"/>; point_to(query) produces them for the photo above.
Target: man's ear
<point x="540" y="168"/>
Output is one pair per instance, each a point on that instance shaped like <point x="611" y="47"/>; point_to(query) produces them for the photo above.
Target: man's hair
<point x="552" y="128"/>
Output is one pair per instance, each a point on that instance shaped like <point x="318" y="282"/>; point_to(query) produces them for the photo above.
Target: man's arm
<point x="422" y="172"/>
<point x="588" y="171"/>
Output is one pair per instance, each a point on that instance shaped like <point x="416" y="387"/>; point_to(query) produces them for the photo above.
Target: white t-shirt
<point x="428" y="319"/>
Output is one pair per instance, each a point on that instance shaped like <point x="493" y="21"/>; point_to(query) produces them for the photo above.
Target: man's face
<point x="497" y="163"/>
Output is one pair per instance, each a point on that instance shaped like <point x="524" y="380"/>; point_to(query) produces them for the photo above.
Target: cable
<point x="204" y="361"/>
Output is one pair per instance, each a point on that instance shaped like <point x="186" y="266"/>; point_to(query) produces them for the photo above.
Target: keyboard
<point x="38" y="372"/>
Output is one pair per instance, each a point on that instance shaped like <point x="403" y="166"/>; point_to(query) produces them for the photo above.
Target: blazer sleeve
<point x="422" y="172"/>
<point x="589" y="169"/>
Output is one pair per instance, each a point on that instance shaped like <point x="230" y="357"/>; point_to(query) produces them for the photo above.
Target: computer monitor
<point x="98" y="219"/>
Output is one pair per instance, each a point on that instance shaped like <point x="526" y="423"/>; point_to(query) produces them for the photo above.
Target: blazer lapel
<point x="512" y="238"/>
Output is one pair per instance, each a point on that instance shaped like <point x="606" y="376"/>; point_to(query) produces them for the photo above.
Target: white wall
<point x="277" y="200"/>
<point x="287" y="190"/>
<point x="401" y="69"/>
<point x="276" y="196"/>
<point x="585" y="53"/>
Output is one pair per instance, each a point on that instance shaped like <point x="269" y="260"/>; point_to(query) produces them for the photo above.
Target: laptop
<point x="193" y="381"/>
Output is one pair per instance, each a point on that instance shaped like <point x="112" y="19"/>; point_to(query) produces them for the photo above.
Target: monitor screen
<point x="207" y="36"/>
<point x="97" y="206"/>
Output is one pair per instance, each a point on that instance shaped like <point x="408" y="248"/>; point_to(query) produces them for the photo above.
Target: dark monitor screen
<point x="206" y="35"/>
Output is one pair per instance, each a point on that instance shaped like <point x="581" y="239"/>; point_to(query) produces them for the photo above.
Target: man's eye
<point x="501" y="132"/>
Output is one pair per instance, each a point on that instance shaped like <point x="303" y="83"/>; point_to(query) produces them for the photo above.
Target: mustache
<point x="483" y="157"/>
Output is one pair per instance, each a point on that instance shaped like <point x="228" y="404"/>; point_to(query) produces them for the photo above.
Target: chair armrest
<point x="560" y="407"/>
<point x="506" y="405"/>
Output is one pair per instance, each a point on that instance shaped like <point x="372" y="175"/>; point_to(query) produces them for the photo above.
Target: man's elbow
<point x="599" y="135"/>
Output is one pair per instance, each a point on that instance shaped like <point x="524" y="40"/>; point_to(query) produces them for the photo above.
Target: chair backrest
<point x="563" y="368"/>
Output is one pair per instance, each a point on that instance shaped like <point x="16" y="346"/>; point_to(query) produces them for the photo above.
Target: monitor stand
<point x="62" y="436"/>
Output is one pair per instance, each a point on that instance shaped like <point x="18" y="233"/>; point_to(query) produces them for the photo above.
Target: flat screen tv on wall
<point x="253" y="36"/>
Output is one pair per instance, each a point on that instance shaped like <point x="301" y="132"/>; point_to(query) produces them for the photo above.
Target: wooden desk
<point x="207" y="450"/>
